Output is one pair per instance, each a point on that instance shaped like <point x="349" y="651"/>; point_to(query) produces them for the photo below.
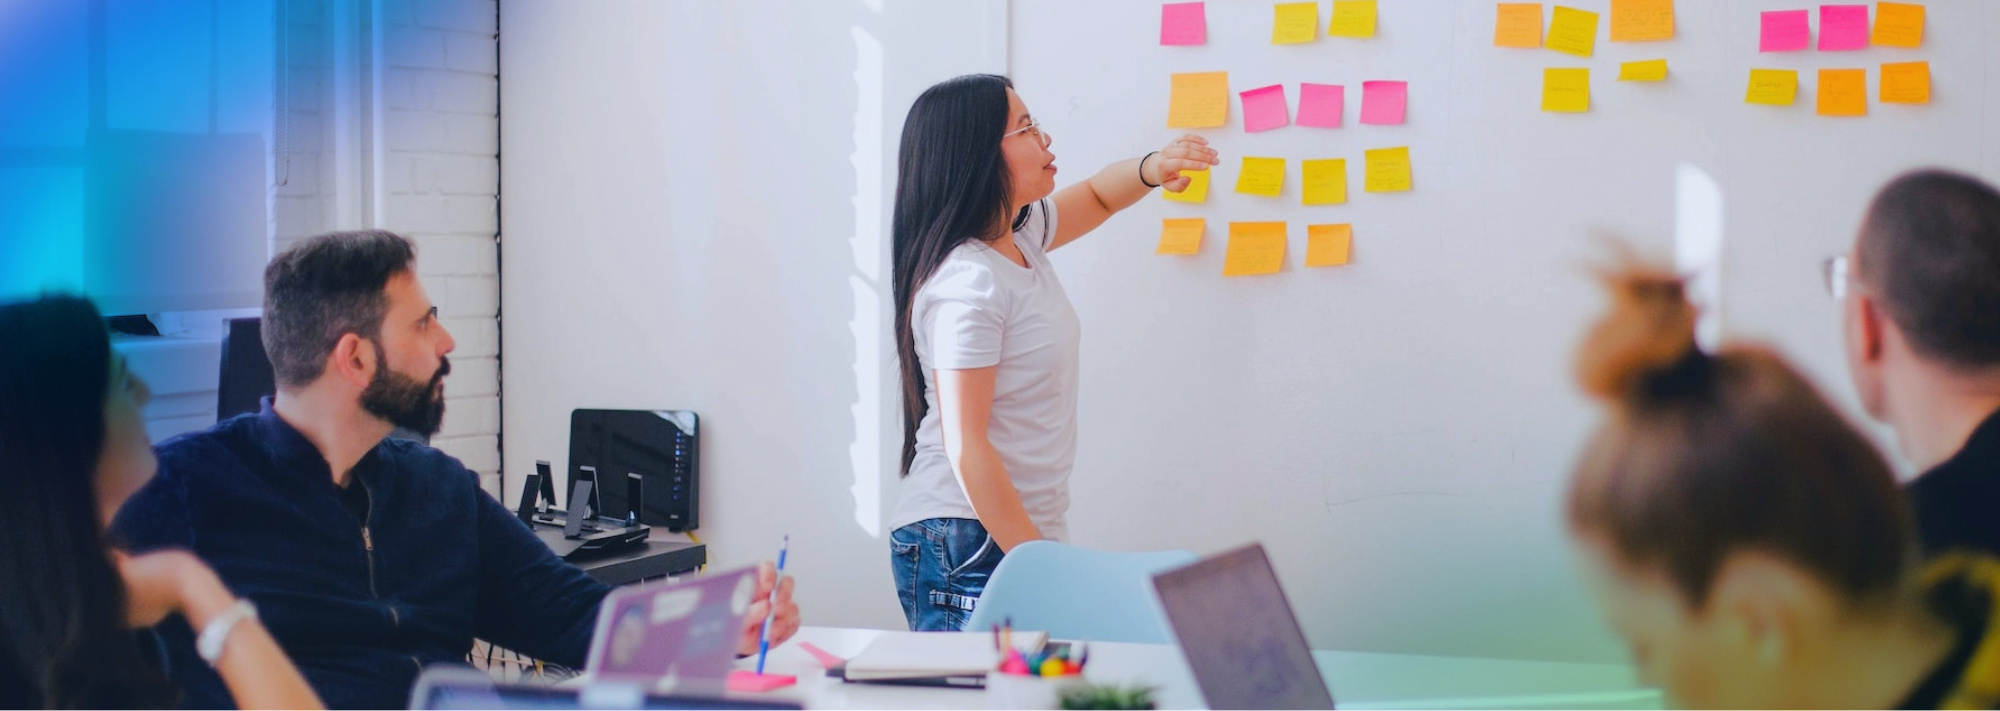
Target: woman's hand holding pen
<point x="783" y="625"/>
<point x="1189" y="152"/>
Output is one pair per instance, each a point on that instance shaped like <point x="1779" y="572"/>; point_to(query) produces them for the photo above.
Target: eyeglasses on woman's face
<point x="1034" y="128"/>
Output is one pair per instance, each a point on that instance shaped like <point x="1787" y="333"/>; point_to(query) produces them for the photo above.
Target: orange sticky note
<point x="1352" y="18"/>
<point x="1325" y="181"/>
<point x="1566" y="89"/>
<point x="1898" y="25"/>
<point x="1843" y="92"/>
<point x="1197" y="188"/>
<point x="1328" y="245"/>
<point x="1519" y="25"/>
<point x="1642" y="20"/>
<point x="1198" y="100"/>
<point x="1906" y="83"/>
<point x="1773" y="87"/>
<point x="1261" y="176"/>
<point x="1181" y="235"/>
<point x="1294" y="22"/>
<point x="1573" y="31"/>
<point x="1254" y="248"/>
<point x="1387" y="170"/>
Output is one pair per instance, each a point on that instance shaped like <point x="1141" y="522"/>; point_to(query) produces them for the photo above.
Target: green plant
<point x="1109" y="696"/>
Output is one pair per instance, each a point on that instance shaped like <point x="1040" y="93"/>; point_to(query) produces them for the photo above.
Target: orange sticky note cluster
<point x="1906" y="83"/>
<point x="1843" y="92"/>
<point x="1519" y="24"/>
<point x="1642" y="20"/>
<point x="1254" y="248"/>
<point x="1328" y="245"/>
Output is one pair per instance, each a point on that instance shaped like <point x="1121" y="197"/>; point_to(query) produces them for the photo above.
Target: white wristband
<point x="216" y="632"/>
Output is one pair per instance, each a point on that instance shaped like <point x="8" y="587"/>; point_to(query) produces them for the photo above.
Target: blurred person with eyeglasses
<point x="1920" y="295"/>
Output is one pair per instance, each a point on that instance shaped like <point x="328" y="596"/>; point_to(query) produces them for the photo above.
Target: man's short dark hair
<point x="324" y="288"/>
<point x="1930" y="250"/>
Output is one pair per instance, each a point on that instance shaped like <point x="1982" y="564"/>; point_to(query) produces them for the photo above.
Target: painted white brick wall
<point x="441" y="176"/>
<point x="441" y="97"/>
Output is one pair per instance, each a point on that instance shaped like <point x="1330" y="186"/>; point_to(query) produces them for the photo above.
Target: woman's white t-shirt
<point x="980" y="309"/>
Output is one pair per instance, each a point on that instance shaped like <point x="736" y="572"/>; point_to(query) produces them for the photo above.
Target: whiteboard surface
<point x="1399" y="431"/>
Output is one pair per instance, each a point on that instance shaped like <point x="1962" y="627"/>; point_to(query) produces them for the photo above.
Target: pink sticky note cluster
<point x="1265" y="108"/>
<point x="1321" y="105"/>
<point x="1843" y="27"/>
<point x="1785" y="31"/>
<point x="1383" y="103"/>
<point x="1183" y="23"/>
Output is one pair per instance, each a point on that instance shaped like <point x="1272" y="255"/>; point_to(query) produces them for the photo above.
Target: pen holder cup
<point x="1015" y="691"/>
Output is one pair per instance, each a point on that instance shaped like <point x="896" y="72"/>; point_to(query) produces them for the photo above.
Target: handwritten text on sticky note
<point x="1388" y="170"/>
<point x="1181" y="235"/>
<point x="1843" y="27"/>
<point x="1198" y="100"/>
<point x="1784" y="31"/>
<point x="1261" y="176"/>
<point x="1898" y="25"/>
<point x="1328" y="245"/>
<point x="1295" y="22"/>
<point x="1906" y="83"/>
<point x="1254" y="248"/>
<point x="1573" y="31"/>
<point x="1645" y="70"/>
<point x="1325" y="181"/>
<point x="1774" y="87"/>
<point x="1843" y="92"/>
<point x="1352" y="18"/>
<point x="1519" y="24"/>
<point x="1642" y="20"/>
<point x="1566" y="89"/>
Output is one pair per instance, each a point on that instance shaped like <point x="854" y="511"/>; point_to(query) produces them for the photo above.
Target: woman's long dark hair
<point x="63" y="636"/>
<point x="952" y="187"/>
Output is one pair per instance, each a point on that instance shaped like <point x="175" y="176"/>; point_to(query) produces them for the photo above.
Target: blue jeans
<point x="941" y="566"/>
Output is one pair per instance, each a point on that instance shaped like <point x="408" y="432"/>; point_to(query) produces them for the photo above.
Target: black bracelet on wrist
<point x="1142" y="170"/>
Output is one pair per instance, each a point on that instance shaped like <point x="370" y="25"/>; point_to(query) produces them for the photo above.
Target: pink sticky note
<point x="1382" y="102"/>
<point x="1183" y="23"/>
<point x="746" y="680"/>
<point x="1786" y="31"/>
<point x="1265" y="108"/>
<point x="1843" y="27"/>
<point x="1321" y="104"/>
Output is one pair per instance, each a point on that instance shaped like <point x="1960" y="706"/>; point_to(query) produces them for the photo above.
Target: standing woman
<point x="985" y="336"/>
<point x="72" y="448"/>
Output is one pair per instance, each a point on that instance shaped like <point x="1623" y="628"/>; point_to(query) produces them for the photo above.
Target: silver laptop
<point x="1239" y="634"/>
<point x="682" y="634"/>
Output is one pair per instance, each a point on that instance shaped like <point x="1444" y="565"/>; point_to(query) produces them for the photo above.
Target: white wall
<point x="696" y="212"/>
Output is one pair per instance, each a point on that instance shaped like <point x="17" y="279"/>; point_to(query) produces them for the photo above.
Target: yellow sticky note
<point x="1648" y="70"/>
<point x="1906" y="83"/>
<point x="1898" y="25"/>
<point x="1843" y="92"/>
<point x="1198" y="100"/>
<point x="1388" y="170"/>
<point x="1519" y="25"/>
<point x="1573" y="31"/>
<point x="1566" y="90"/>
<point x="1642" y="20"/>
<point x="1181" y="235"/>
<point x="1254" y="248"/>
<point x="1197" y="188"/>
<point x="1328" y="245"/>
<point x="1775" y="87"/>
<point x="1295" y="22"/>
<point x="1261" y="176"/>
<point x="1352" y="18"/>
<point x="1325" y="181"/>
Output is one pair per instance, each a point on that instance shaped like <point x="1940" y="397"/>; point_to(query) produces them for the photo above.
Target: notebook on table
<point x="956" y="659"/>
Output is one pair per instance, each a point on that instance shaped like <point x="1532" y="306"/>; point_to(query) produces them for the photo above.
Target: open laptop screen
<point x="1239" y="634"/>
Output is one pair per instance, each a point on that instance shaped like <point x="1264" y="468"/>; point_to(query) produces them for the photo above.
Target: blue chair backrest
<point x="1077" y="593"/>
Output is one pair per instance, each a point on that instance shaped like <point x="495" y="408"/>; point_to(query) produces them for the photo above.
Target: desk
<point x="649" y="560"/>
<point x="1360" y="680"/>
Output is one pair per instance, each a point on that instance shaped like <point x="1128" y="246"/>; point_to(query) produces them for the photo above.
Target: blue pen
<point x="764" y="635"/>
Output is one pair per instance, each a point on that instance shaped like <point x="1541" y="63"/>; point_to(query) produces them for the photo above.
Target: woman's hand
<point x="1189" y="152"/>
<point x="163" y="583"/>
<point x="783" y="625"/>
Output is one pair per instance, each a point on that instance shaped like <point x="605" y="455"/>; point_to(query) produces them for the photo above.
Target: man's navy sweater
<point x="361" y="606"/>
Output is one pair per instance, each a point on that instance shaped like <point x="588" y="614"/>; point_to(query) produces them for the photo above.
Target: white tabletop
<point x="1360" y="680"/>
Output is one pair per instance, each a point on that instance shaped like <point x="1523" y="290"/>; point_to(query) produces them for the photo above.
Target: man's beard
<point x="403" y="401"/>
